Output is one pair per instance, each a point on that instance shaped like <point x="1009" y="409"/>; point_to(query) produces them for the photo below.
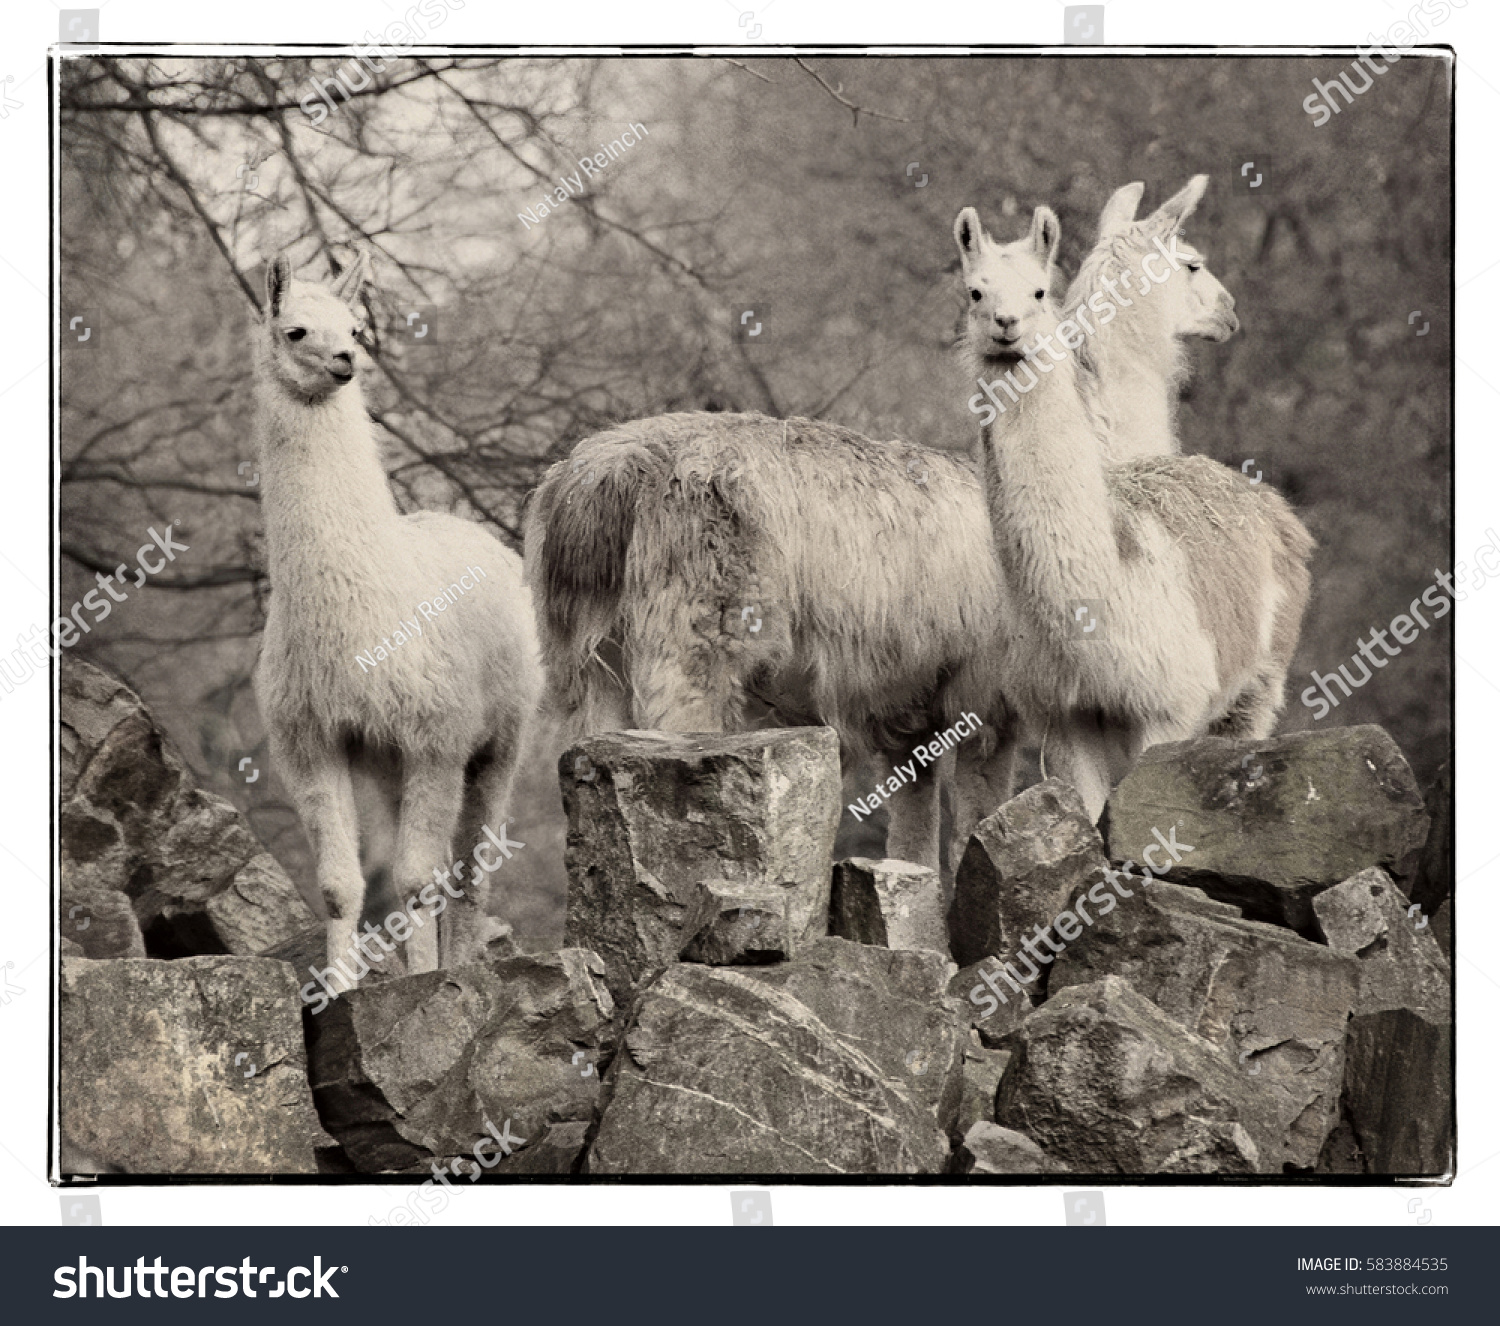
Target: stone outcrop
<point x="194" y="1066"/>
<point x="728" y="1071"/>
<point x="151" y="864"/>
<point x="416" y="1070"/>
<point x="1106" y="1083"/>
<point x="1273" y="823"/>
<point x="653" y="815"/>
<point x="1275" y="1005"/>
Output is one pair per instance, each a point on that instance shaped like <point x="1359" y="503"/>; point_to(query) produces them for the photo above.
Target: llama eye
<point x="296" y="334"/>
<point x="1195" y="266"/>
<point x="1041" y="294"/>
<point x="975" y="296"/>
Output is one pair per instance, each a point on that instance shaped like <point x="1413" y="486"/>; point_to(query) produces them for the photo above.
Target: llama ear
<point x="968" y="233"/>
<point x="350" y="285"/>
<point x="278" y="282"/>
<point x="1046" y="231"/>
<point x="1180" y="205"/>
<point x="1119" y="211"/>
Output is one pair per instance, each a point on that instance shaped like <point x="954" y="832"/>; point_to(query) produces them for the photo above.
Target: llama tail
<point x="578" y="533"/>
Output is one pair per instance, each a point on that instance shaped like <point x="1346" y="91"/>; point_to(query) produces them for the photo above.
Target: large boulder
<point x="893" y="904"/>
<point x="416" y="1070"/>
<point x="1274" y="1004"/>
<point x="189" y="1067"/>
<point x="1106" y="1083"/>
<point x="1020" y="869"/>
<point x="151" y="864"/>
<point x="891" y="1005"/>
<point x="1273" y="823"/>
<point x="726" y="1071"/>
<point x="653" y="815"/>
<point x="1398" y="1071"/>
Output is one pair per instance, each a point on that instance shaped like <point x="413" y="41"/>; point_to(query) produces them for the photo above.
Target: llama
<point x="1133" y="366"/>
<point x="694" y="570"/>
<point x="418" y="749"/>
<point x="1202" y="577"/>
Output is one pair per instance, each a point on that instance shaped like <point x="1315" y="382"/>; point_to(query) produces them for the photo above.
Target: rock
<point x="1400" y="964"/>
<point x="1442" y="931"/>
<point x="1273" y="823"/>
<point x="136" y="833"/>
<point x="893" y="904"/>
<point x="736" y="925"/>
<point x="1433" y="883"/>
<point x="416" y="1070"/>
<point x="990" y="1149"/>
<point x="559" y="1150"/>
<point x="1275" y="1005"/>
<point x="651" y="815"/>
<point x="99" y="920"/>
<point x="992" y="1007"/>
<point x="1341" y="1153"/>
<point x="1398" y="1079"/>
<point x="721" y="1072"/>
<point x="982" y="1071"/>
<point x="1019" y="870"/>
<point x="1106" y="1083"/>
<point x="1398" y="1071"/>
<point x="891" y="1005"/>
<point x="188" y="1067"/>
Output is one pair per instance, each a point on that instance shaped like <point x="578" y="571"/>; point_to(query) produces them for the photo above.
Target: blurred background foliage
<point x="820" y="192"/>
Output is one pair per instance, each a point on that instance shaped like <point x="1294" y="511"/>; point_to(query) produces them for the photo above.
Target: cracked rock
<point x="893" y="904"/>
<point x="1274" y="823"/>
<point x="654" y="815"/>
<point x="1275" y="1005"/>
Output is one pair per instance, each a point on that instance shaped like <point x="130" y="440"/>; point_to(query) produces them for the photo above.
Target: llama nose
<point x="1005" y="321"/>
<point x="344" y="359"/>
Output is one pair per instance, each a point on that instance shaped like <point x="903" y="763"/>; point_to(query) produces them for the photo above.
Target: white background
<point x="25" y="893"/>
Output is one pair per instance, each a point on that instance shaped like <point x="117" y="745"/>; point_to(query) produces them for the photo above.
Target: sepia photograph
<point x="743" y="615"/>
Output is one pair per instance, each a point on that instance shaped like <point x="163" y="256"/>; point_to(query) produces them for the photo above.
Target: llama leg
<point x="981" y="784"/>
<point x="431" y="796"/>
<point x="913" y="834"/>
<point x="1080" y="752"/>
<point x="465" y="927"/>
<point x="1252" y="716"/>
<point x="323" y="793"/>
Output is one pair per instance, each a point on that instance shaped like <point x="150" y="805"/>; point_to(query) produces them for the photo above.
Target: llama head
<point x="1008" y="285"/>
<point x="308" y="340"/>
<point x="1187" y="296"/>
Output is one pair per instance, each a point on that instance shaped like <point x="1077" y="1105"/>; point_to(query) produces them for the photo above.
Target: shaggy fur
<point x="867" y="565"/>
<point x="1132" y="367"/>
<point x="426" y="742"/>
<point x="1203" y="577"/>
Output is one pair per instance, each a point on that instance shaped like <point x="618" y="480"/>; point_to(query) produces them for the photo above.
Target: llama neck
<point x="1135" y="359"/>
<point x="324" y="493"/>
<point x="1137" y="370"/>
<point x="1050" y="511"/>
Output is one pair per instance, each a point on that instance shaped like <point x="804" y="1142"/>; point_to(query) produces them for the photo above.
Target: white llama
<point x="1133" y="365"/>
<point x="435" y="726"/>
<point x="1193" y="580"/>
